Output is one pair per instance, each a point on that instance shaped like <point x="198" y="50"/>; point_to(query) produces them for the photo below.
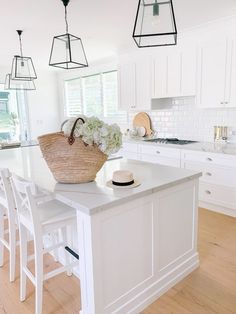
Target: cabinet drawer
<point x="159" y="151"/>
<point x="130" y="155"/>
<point x="210" y="158"/>
<point x="130" y="147"/>
<point x="218" y="195"/>
<point x="213" y="174"/>
<point x="160" y="160"/>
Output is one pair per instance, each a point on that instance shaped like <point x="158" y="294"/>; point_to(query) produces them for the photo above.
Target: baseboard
<point x="161" y="286"/>
<point x="219" y="209"/>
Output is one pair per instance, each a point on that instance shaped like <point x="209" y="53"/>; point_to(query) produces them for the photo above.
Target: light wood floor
<point x="210" y="289"/>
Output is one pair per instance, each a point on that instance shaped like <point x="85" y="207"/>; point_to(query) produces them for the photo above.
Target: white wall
<point x="43" y="105"/>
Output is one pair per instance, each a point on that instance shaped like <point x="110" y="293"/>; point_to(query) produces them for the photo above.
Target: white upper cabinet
<point x="189" y="71"/>
<point x="143" y="83"/>
<point x="134" y="84"/>
<point x="174" y="67"/>
<point x="159" y="77"/>
<point x="230" y="92"/>
<point x="212" y="73"/>
<point x="174" y="73"/>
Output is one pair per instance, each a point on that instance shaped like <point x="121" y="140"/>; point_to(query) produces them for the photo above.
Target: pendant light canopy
<point x="11" y="84"/>
<point x="67" y="50"/>
<point x="22" y="67"/>
<point x="155" y="24"/>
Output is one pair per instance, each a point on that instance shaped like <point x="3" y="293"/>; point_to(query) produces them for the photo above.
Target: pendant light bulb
<point x="156" y="21"/>
<point x="155" y="9"/>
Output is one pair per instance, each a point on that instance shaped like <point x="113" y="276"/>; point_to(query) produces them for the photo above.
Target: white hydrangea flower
<point x="94" y="131"/>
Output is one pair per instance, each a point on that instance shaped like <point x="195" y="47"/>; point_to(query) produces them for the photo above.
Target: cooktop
<point x="170" y="141"/>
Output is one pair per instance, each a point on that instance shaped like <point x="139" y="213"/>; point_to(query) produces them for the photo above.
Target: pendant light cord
<point x="21" y="49"/>
<point x="67" y="27"/>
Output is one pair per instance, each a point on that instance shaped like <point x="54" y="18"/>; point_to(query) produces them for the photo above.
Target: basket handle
<point x="71" y="138"/>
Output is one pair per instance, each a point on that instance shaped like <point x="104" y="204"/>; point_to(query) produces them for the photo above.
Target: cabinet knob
<point x="209" y="159"/>
<point x="158" y="152"/>
<point x="208" y="192"/>
<point x="222" y="102"/>
<point x="208" y="174"/>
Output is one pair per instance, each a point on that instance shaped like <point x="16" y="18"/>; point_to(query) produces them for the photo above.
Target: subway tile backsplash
<point x="185" y="121"/>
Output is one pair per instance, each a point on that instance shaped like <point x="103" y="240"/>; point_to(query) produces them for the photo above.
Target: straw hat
<point x="123" y="179"/>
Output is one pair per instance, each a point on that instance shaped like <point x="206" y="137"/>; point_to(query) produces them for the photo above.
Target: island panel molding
<point x="134" y="260"/>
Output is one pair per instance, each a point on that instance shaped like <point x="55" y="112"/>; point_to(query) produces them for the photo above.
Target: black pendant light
<point x="11" y="84"/>
<point x="67" y="50"/>
<point x="22" y="67"/>
<point x="155" y="24"/>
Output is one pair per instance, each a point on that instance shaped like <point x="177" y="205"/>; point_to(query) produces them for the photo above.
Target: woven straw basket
<point x="70" y="159"/>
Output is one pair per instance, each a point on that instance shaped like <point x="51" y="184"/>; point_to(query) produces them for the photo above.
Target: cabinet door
<point x="189" y="71"/>
<point x="160" y="76"/>
<point x="143" y="83"/>
<point x="230" y="97"/>
<point x="126" y="86"/>
<point x="174" y="73"/>
<point x="212" y="70"/>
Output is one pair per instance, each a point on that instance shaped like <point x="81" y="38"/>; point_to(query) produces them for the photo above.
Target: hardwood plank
<point x="210" y="289"/>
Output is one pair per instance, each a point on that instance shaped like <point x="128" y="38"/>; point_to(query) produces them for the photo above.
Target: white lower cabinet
<point x="130" y="151"/>
<point x="160" y="155"/>
<point x="217" y="188"/>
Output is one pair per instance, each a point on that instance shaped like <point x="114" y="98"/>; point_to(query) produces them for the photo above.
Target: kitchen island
<point x="134" y="244"/>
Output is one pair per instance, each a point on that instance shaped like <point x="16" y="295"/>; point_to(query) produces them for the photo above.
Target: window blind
<point x="73" y="98"/>
<point x="95" y="95"/>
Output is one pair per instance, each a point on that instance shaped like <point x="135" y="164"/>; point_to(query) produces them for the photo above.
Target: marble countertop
<point x="93" y="197"/>
<point x="221" y="148"/>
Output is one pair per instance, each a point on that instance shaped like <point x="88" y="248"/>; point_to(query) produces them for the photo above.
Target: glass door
<point x="14" y="126"/>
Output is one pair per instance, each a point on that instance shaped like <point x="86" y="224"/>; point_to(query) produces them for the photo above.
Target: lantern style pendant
<point x="22" y="67"/>
<point x="11" y="84"/>
<point x="67" y="50"/>
<point x="155" y="24"/>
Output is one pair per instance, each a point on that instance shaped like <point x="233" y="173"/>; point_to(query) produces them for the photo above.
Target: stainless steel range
<point x="170" y="141"/>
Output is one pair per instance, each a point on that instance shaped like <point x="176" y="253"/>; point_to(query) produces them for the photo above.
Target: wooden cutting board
<point x="143" y="119"/>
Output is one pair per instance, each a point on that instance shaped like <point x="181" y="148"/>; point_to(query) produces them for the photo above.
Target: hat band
<point x="123" y="183"/>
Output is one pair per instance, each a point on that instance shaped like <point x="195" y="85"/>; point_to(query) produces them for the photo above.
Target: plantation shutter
<point x="110" y="100"/>
<point x="92" y="95"/>
<point x="73" y="98"/>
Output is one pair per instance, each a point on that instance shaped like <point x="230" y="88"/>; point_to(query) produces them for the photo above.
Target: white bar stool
<point x="7" y="211"/>
<point x="40" y="217"/>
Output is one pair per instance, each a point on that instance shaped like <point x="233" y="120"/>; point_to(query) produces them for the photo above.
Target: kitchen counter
<point x="222" y="148"/>
<point x="134" y="244"/>
<point x="95" y="196"/>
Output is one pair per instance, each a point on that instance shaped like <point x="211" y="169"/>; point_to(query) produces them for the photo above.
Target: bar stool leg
<point x="1" y="235"/>
<point x="38" y="276"/>
<point x="64" y="232"/>
<point x="54" y="237"/>
<point x="12" y="245"/>
<point x="23" y="261"/>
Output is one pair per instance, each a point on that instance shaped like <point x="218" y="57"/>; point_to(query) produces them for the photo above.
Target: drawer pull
<point x="209" y="159"/>
<point x="208" y="174"/>
<point x="208" y="192"/>
<point x="158" y="152"/>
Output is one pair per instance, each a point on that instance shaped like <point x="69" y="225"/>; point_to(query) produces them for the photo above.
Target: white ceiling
<point x="105" y="26"/>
